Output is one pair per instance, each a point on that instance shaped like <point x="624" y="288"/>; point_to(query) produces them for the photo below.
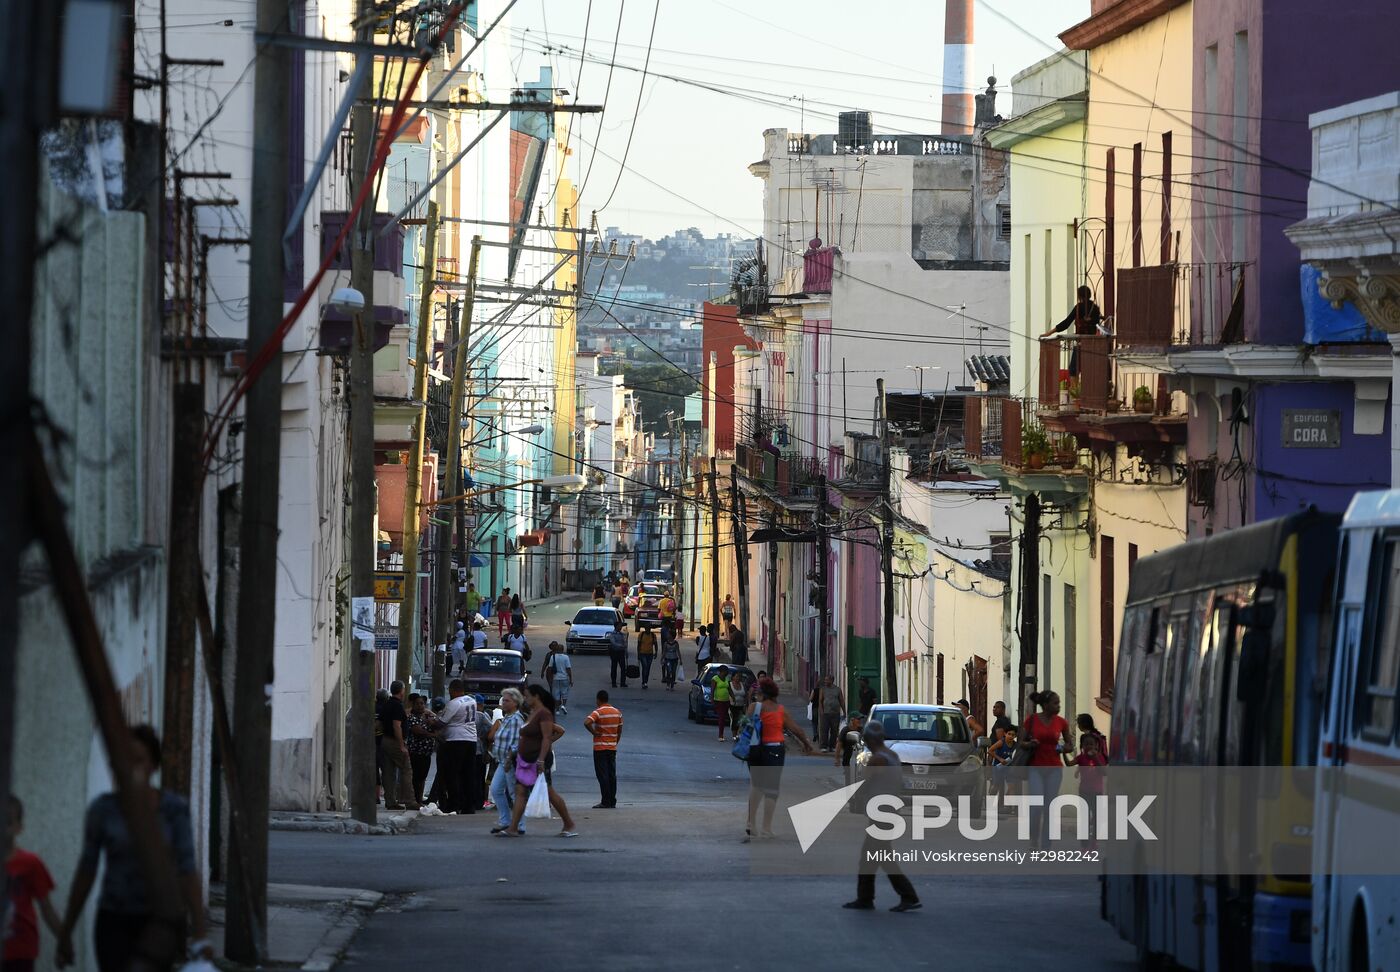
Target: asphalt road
<point x="663" y="881"/>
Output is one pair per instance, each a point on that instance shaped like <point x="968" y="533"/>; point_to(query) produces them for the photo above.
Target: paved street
<point x="642" y="884"/>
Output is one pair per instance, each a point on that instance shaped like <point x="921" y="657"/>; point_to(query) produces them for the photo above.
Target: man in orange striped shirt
<point x="604" y="724"/>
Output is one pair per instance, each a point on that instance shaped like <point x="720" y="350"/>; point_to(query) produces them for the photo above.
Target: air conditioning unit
<point x="1200" y="482"/>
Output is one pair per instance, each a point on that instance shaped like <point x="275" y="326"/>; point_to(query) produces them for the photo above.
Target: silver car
<point x="936" y="751"/>
<point x="590" y="629"/>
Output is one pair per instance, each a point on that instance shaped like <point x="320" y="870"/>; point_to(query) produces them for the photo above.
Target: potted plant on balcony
<point x="1035" y="446"/>
<point x="1142" y="400"/>
<point x="1114" y="403"/>
<point x="1067" y="452"/>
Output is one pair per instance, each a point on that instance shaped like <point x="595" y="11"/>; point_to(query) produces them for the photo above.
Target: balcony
<point x="1013" y="431"/>
<point x="1180" y="304"/>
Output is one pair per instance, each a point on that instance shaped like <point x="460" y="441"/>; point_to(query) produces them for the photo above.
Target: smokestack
<point x="957" y="67"/>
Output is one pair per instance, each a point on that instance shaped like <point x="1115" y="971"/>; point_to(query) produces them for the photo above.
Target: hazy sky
<point x="778" y="63"/>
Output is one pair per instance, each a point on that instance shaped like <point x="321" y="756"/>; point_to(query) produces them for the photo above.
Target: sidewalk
<point x="332" y="822"/>
<point x="307" y="927"/>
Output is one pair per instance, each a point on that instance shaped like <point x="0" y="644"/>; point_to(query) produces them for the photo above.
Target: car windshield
<point x="911" y="724"/>
<point x="492" y="664"/>
<point x="710" y="674"/>
<point x="602" y="616"/>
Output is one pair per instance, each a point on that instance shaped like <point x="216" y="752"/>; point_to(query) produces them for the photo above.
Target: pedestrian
<point x="738" y="645"/>
<point x="503" y="611"/>
<point x="646" y="653"/>
<point x="882" y="769"/>
<point x="617" y="653"/>
<point x="1046" y="735"/>
<point x="380" y="697"/>
<point x="726" y="612"/>
<point x="1085" y="724"/>
<point x="719" y="695"/>
<point x="518" y="617"/>
<point x="478" y="636"/>
<point x="473" y="602"/>
<point x="667" y="609"/>
<point x="767" y="755"/>
<point x="504" y="740"/>
<point x="752" y="695"/>
<point x="619" y="593"/>
<point x="670" y="658"/>
<point x="482" y="767"/>
<point x="1002" y="756"/>
<point x="737" y="704"/>
<point x="814" y="710"/>
<point x="536" y="741"/>
<point x="1000" y="722"/>
<point x="974" y="724"/>
<point x="516" y="640"/>
<point x="398" y="774"/>
<point x="866" y="695"/>
<point x="604" y="724"/>
<point x="124" y="908"/>
<point x="559" y="671"/>
<point x="422" y="741"/>
<point x="1089" y="766"/>
<point x="459" y="651"/>
<point x="457" y="751"/>
<point x="846" y="748"/>
<point x="29" y="884"/>
<point x="704" y="648"/>
<point x="831" y="705"/>
<point x="598" y="595"/>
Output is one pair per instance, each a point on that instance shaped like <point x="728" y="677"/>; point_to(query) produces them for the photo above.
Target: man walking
<point x="398" y="771"/>
<point x="882" y="770"/>
<point x="559" y="669"/>
<point x="473" y="600"/>
<point x="831" y="704"/>
<point x="866" y="695"/>
<point x="604" y="724"/>
<point x="646" y="653"/>
<point x="457" y="754"/>
<point x="617" y="654"/>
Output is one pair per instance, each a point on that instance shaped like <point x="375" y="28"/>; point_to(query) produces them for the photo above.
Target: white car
<point x="590" y="628"/>
<point x="935" y="748"/>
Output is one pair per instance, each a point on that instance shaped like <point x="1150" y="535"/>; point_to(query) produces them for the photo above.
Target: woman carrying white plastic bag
<point x="537" y="807"/>
<point x="532" y="759"/>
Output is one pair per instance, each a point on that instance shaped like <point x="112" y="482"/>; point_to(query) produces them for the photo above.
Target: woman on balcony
<point x="1087" y="320"/>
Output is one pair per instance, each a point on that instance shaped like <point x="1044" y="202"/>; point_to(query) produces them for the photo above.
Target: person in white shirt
<point x="705" y="643"/>
<point x="478" y="635"/>
<point x="459" y="651"/>
<point x="515" y="641"/>
<point x="457" y="754"/>
<point x="559" y="669"/>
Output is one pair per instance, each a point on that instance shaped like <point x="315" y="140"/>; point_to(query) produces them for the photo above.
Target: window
<point x="1377" y="694"/>
<point x="1106" y="567"/>
<point x="1003" y="222"/>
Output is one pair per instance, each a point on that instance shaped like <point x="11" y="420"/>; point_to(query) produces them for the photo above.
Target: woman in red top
<point x="767" y="754"/>
<point x="1046" y="736"/>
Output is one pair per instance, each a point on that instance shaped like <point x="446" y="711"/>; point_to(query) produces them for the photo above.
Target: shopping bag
<point x="744" y="741"/>
<point x="538" y="804"/>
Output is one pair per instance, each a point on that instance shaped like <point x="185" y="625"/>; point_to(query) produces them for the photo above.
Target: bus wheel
<point x="1359" y="957"/>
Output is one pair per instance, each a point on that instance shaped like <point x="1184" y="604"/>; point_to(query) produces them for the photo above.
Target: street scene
<point x="692" y="485"/>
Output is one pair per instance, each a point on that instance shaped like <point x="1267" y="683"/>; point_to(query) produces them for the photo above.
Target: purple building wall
<point x="1301" y="62"/>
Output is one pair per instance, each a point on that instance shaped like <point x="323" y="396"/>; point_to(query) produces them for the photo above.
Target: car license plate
<point x="917" y="784"/>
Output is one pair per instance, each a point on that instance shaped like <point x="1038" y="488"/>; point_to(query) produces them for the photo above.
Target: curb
<point x="327" y="955"/>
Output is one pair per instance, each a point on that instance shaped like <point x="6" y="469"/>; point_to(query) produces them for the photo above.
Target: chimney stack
<point x="957" y="67"/>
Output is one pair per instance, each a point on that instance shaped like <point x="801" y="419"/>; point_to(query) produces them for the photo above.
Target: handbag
<point x="526" y="774"/>
<point x="537" y="807"/>
<point x="743" y="743"/>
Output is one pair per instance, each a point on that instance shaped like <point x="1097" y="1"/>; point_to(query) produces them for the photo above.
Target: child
<point x="1085" y="724"/>
<point x="1002" y="755"/>
<point x="29" y="883"/>
<point x="1090" y="763"/>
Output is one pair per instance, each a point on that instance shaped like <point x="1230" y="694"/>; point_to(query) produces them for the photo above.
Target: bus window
<point x="1376" y="693"/>
<point x="1188" y="655"/>
<point x="1129" y="651"/>
<point x="1211" y="676"/>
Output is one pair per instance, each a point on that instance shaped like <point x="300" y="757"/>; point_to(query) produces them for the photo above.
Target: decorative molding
<point x="1376" y="295"/>
<point x="1115" y="21"/>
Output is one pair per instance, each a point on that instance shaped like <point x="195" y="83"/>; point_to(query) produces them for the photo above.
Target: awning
<point x="780" y="535"/>
<point x="478" y="561"/>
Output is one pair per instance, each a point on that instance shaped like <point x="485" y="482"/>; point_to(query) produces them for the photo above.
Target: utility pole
<point x="714" y="546"/>
<point x="184" y="585"/>
<point x="413" y="490"/>
<point x="1030" y="601"/>
<point x="823" y="583"/>
<point x="741" y="547"/>
<point x="444" y="577"/>
<point x="364" y="804"/>
<point x="694" y="548"/>
<point x="245" y="936"/>
<point x="889" y="684"/>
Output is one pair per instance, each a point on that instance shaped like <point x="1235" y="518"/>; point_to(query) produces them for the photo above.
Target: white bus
<point x="1356" y="918"/>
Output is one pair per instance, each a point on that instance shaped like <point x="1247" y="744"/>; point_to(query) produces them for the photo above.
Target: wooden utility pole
<point x="1030" y="602"/>
<point x="364" y="802"/>
<point x="890" y="683"/>
<point x="694" y="548"/>
<point x="413" y="488"/>
<point x="714" y="549"/>
<point x="245" y="936"/>
<point x="445" y="578"/>
<point x="741" y="548"/>
<point x="823" y="585"/>
<point x="184" y="583"/>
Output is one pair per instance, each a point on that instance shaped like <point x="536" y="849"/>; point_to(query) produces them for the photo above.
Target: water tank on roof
<point x="853" y="128"/>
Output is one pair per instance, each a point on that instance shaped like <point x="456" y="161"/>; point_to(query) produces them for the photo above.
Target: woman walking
<point x="536" y="741"/>
<point x="1046" y="736"/>
<point x="518" y="617"/>
<point x="767" y="755"/>
<point x="421" y="739"/>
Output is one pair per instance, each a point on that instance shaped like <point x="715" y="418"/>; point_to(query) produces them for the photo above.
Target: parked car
<point x="491" y="670"/>
<point x="589" y="629"/>
<point x="663" y="576"/>
<point x="701" y="707"/>
<point x="646" y="610"/>
<point x="936" y="750"/>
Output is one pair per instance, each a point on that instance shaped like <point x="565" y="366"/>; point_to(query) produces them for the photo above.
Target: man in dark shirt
<point x="882" y="772"/>
<point x="866" y="695"/>
<point x="1000" y="723"/>
<point x="398" y="771"/>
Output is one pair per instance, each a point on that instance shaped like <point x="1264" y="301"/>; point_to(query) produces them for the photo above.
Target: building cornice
<point x="1122" y="18"/>
<point x="1034" y="123"/>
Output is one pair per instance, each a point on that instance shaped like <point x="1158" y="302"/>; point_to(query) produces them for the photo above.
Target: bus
<point x="1355" y="924"/>
<point x="1223" y="642"/>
